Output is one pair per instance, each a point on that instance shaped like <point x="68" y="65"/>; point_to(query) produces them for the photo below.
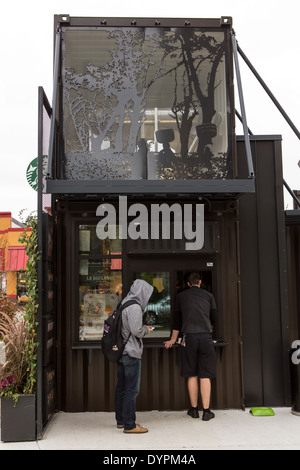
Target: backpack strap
<point x="128" y="303"/>
<point x="125" y="305"/>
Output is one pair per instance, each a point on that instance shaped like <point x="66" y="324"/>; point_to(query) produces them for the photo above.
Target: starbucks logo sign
<point x="32" y="174"/>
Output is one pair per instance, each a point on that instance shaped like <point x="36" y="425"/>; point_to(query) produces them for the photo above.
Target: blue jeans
<point x="127" y="389"/>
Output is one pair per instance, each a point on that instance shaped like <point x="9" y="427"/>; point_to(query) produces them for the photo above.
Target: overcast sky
<point x="267" y="32"/>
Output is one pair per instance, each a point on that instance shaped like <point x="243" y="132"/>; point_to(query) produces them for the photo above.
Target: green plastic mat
<point x="262" y="411"/>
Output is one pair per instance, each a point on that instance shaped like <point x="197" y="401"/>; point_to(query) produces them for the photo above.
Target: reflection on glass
<point x="182" y="279"/>
<point x="158" y="310"/>
<point x="146" y="104"/>
<point x="90" y="244"/>
<point x="100" y="290"/>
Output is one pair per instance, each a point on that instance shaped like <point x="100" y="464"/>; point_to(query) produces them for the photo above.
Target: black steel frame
<point x="211" y="188"/>
<point x="205" y="187"/>
<point x="42" y="103"/>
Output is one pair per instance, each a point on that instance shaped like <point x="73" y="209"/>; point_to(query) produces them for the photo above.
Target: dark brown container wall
<point x="91" y="385"/>
<point x="264" y="297"/>
<point x="86" y="381"/>
<point x="162" y="388"/>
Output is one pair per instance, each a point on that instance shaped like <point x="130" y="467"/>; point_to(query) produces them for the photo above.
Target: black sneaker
<point x="207" y="415"/>
<point x="193" y="412"/>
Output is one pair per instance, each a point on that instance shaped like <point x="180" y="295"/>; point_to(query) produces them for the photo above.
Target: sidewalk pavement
<point x="229" y="430"/>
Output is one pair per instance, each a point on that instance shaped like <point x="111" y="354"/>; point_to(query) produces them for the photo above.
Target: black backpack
<point x="112" y="342"/>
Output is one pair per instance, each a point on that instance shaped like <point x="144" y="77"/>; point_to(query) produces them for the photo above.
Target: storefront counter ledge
<point x="219" y="346"/>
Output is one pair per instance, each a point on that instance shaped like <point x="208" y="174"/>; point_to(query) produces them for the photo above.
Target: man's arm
<point x="169" y="344"/>
<point x="135" y="322"/>
<point x="213" y="320"/>
<point x="176" y="326"/>
<point x="213" y="315"/>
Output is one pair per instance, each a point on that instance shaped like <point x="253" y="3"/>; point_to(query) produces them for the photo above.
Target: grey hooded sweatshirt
<point x="132" y="318"/>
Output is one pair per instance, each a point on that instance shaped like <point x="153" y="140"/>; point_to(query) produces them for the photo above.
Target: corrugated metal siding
<point x="264" y="280"/>
<point x="91" y="381"/>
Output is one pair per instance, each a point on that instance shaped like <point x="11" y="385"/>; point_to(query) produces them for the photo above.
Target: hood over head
<point x="140" y="291"/>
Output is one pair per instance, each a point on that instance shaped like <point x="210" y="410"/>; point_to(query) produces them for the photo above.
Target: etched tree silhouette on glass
<point x="169" y="75"/>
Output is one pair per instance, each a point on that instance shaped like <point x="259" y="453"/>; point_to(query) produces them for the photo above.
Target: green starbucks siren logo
<point x="32" y="174"/>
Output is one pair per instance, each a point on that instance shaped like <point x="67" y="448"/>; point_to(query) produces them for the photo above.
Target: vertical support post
<point x="44" y="111"/>
<point x="39" y="413"/>
<point x="54" y="103"/>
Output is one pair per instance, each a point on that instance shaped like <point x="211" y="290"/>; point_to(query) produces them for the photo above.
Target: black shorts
<point x="198" y="357"/>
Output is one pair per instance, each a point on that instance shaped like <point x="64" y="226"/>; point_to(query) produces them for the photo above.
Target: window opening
<point x="100" y="281"/>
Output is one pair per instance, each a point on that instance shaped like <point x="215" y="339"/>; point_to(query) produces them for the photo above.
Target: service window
<point x="158" y="311"/>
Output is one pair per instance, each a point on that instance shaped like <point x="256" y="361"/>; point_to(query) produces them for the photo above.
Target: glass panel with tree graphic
<point x="146" y="103"/>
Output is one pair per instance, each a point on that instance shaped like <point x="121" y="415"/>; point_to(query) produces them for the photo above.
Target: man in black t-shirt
<point x="195" y="313"/>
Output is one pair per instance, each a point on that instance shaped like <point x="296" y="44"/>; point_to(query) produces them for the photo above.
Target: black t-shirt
<point x="195" y="311"/>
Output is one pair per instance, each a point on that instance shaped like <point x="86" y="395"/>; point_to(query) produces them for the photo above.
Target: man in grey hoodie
<point x="129" y="366"/>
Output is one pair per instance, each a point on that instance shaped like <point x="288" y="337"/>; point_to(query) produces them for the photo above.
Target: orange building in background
<point x="13" y="258"/>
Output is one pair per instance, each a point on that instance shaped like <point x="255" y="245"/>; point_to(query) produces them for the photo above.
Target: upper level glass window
<point x="146" y="103"/>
